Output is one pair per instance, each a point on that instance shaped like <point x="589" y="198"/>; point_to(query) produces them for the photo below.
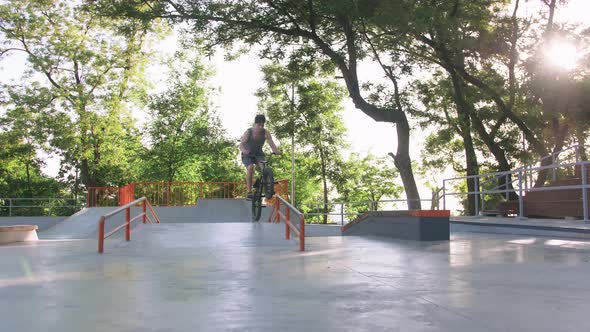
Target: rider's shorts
<point x="252" y="159"/>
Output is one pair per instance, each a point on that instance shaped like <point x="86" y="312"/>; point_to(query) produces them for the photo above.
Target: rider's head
<point x="260" y="119"/>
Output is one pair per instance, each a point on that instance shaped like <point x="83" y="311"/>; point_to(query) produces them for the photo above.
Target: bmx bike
<point x="264" y="186"/>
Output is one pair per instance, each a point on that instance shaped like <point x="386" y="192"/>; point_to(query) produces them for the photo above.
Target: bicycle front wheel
<point x="257" y="204"/>
<point x="269" y="182"/>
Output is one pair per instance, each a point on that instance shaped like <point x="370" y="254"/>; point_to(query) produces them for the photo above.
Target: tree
<point x="301" y="100"/>
<point x="330" y="28"/>
<point x="83" y="69"/>
<point x="20" y="168"/>
<point x="308" y="190"/>
<point x="186" y="141"/>
<point x="367" y="179"/>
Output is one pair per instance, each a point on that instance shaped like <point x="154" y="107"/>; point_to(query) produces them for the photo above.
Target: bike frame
<point x="260" y="185"/>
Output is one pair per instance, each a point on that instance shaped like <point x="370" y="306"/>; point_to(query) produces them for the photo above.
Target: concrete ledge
<point x="44" y="223"/>
<point x="419" y="225"/>
<point x="18" y="233"/>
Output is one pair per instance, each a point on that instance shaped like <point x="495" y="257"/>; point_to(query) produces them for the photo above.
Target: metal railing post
<point x="444" y="195"/>
<point x="342" y="214"/>
<point x="520" y="198"/>
<point x="167" y="193"/>
<point x="101" y="235"/>
<point x="554" y="171"/>
<point x="584" y="194"/>
<point x="506" y="186"/>
<point x="476" y="186"/>
<point x="483" y="201"/>
<point x="301" y="233"/>
<point x="143" y="209"/>
<point x="10" y="207"/>
<point x="287" y="219"/>
<point x="128" y="224"/>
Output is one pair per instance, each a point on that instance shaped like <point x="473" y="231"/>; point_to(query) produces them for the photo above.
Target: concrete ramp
<point x="84" y="224"/>
<point x="226" y="210"/>
<point x="206" y="211"/>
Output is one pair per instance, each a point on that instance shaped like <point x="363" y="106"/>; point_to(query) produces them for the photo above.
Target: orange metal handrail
<point x="128" y="220"/>
<point x="277" y="216"/>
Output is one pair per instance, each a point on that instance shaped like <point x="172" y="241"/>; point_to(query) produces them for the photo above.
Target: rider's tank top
<point x="256" y="141"/>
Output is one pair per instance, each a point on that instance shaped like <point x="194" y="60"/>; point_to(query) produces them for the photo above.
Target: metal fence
<point x="37" y="207"/>
<point x="173" y="193"/>
<point x="492" y="188"/>
<point x="344" y="212"/>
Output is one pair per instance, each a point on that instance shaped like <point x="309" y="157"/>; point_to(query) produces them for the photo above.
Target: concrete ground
<point x="246" y="277"/>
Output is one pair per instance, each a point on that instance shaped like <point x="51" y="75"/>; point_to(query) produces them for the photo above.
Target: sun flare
<point x="562" y="54"/>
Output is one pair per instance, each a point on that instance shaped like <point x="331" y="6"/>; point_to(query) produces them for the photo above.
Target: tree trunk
<point x="29" y="187"/>
<point x="401" y="158"/>
<point x="84" y="176"/>
<point x="348" y="69"/>
<point x="324" y="182"/>
<point x="472" y="167"/>
<point x="403" y="163"/>
<point x="76" y="184"/>
<point x="581" y="138"/>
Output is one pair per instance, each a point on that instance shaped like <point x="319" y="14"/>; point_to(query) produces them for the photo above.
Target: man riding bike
<point x="251" y="145"/>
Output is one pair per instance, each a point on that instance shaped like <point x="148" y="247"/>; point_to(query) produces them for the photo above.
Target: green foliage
<point x="308" y="188"/>
<point x="303" y="102"/>
<point x="83" y="70"/>
<point x="186" y="139"/>
<point x="367" y="179"/>
<point x="20" y="167"/>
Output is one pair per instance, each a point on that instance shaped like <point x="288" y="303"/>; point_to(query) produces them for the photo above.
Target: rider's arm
<point x="243" y="142"/>
<point x="271" y="143"/>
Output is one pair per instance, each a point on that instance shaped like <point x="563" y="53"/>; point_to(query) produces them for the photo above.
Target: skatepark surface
<point x="226" y="275"/>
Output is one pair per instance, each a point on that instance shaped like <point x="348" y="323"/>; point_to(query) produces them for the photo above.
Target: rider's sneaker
<point x="250" y="196"/>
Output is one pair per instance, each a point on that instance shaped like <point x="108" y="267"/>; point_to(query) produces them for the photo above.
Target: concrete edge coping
<point x="22" y="228"/>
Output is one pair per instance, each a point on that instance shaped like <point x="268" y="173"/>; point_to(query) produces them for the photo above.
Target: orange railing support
<point x="128" y="224"/>
<point x="289" y="226"/>
<point x="302" y="233"/>
<point x="101" y="235"/>
<point x="128" y="220"/>
<point x="143" y="206"/>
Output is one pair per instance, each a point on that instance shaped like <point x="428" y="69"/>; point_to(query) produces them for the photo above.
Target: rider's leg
<point x="249" y="174"/>
<point x="261" y="165"/>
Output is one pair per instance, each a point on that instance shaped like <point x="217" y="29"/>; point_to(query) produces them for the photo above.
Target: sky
<point x="237" y="106"/>
<point x="238" y="80"/>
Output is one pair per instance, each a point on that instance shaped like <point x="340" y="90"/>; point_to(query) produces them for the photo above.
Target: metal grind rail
<point x="277" y="216"/>
<point x="145" y="204"/>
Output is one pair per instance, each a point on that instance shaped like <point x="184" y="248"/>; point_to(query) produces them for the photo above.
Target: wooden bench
<point x="18" y="233"/>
